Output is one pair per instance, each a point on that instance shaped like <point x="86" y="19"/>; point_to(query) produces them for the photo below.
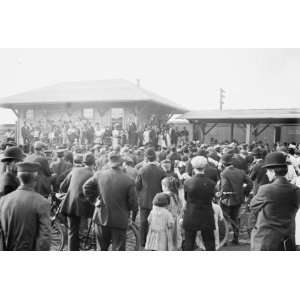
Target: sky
<point x="251" y="78"/>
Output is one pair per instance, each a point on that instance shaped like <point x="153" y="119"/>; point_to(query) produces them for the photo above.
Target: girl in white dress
<point x="161" y="223"/>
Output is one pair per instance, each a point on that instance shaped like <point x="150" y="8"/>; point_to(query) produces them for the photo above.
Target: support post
<point x="231" y="131"/>
<point x="248" y="133"/>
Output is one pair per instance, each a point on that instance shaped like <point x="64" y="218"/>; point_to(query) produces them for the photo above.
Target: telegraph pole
<point x="222" y="97"/>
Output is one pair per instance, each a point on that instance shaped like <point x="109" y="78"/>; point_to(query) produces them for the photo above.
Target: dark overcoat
<point x="8" y="183"/>
<point x="75" y="203"/>
<point x="148" y="184"/>
<point x="275" y="206"/>
<point x="232" y="180"/>
<point x="25" y="220"/>
<point x="198" y="214"/>
<point x="118" y="197"/>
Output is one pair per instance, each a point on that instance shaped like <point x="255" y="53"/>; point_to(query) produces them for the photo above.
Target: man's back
<point x="75" y="203"/>
<point x="199" y="191"/>
<point x="25" y="217"/>
<point x="232" y="180"/>
<point x="278" y="202"/>
<point x="148" y="184"/>
<point x="117" y="191"/>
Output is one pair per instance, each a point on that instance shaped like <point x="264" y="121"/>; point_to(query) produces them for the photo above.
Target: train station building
<point x="106" y="102"/>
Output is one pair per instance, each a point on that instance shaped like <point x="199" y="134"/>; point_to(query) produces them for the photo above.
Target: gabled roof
<point x="243" y="115"/>
<point x="115" y="90"/>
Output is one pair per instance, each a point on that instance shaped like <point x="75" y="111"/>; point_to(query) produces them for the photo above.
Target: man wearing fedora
<point x="116" y="198"/>
<point x="8" y="180"/>
<point x="148" y="184"/>
<point x="235" y="184"/>
<point x="75" y="206"/>
<point x="275" y="206"/>
<point x="25" y="214"/>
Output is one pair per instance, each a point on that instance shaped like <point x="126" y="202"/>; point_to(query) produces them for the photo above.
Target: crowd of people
<point x="85" y="132"/>
<point x="172" y="189"/>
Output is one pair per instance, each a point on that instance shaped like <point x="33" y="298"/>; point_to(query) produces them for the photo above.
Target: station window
<point x="88" y="113"/>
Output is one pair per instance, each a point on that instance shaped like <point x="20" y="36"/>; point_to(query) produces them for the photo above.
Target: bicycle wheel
<point x="223" y="233"/>
<point x="133" y="238"/>
<point x="58" y="236"/>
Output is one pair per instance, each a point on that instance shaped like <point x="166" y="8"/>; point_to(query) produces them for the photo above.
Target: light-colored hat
<point x="199" y="162"/>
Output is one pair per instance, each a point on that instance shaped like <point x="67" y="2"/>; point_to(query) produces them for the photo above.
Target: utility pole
<point x="222" y="97"/>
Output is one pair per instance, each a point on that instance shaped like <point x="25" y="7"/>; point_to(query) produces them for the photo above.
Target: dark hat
<point x="28" y="167"/>
<point x="13" y="153"/>
<point x="161" y="199"/>
<point x="60" y="152"/>
<point x="89" y="159"/>
<point x="10" y="143"/>
<point x="227" y="159"/>
<point x="115" y="159"/>
<point x="150" y="153"/>
<point x="257" y="152"/>
<point x="275" y="159"/>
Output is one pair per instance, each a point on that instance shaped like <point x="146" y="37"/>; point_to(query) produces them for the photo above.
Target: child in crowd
<point x="169" y="186"/>
<point x="161" y="223"/>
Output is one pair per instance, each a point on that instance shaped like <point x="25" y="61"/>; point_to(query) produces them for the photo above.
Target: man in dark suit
<point x="275" y="206"/>
<point x="44" y="180"/>
<point x="75" y="206"/>
<point x="59" y="167"/>
<point x="116" y="198"/>
<point x="148" y="184"/>
<point x="8" y="180"/>
<point x="258" y="174"/>
<point x="25" y="215"/>
<point x="198" y="214"/>
<point x="235" y="184"/>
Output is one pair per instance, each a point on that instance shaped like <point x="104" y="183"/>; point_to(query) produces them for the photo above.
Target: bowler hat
<point x="161" y="199"/>
<point x="275" y="159"/>
<point x="13" y="153"/>
<point x="30" y="167"/>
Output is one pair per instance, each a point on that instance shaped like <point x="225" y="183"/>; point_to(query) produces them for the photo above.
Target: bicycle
<point x="245" y="223"/>
<point x="87" y="236"/>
